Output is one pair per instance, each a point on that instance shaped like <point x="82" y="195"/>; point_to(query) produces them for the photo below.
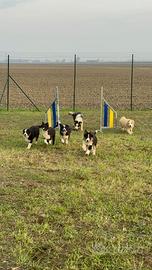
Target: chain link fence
<point x="39" y="75"/>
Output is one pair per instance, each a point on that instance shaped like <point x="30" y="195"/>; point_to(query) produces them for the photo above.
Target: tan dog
<point x="127" y="124"/>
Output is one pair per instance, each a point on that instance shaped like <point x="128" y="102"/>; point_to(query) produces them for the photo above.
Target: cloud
<point x="11" y="3"/>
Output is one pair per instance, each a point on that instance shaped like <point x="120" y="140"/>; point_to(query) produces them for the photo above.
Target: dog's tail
<point x="71" y="113"/>
<point x="75" y="113"/>
<point x="58" y="124"/>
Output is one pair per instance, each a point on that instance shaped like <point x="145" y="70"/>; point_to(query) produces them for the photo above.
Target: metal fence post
<point x="74" y="82"/>
<point x="8" y="92"/>
<point x="131" y="86"/>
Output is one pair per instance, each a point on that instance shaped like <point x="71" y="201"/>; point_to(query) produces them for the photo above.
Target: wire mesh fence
<point x="38" y="76"/>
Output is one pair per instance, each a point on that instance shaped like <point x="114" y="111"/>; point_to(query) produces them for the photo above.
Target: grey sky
<point x="11" y="3"/>
<point x="76" y="25"/>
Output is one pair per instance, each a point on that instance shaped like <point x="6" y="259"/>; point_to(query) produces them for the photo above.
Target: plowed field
<point x="39" y="82"/>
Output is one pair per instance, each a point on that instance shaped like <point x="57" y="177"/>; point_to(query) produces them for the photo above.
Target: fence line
<point x="127" y="85"/>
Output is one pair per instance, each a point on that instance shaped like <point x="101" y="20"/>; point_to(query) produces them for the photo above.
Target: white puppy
<point x="127" y="124"/>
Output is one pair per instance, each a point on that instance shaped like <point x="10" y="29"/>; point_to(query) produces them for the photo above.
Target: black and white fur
<point x="65" y="132"/>
<point x="89" y="142"/>
<point x="30" y="134"/>
<point x="78" y="120"/>
<point x="48" y="133"/>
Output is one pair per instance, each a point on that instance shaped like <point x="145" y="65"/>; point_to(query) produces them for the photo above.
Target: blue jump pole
<point x="54" y="113"/>
<point x="105" y="114"/>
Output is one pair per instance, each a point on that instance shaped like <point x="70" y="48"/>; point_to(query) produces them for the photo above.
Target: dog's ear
<point x="95" y="132"/>
<point x="128" y="122"/>
<point x="85" y="132"/>
<point x="28" y="132"/>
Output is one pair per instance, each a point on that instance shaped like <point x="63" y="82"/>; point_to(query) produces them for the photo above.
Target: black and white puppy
<point x="89" y="142"/>
<point x="78" y="120"/>
<point x="30" y="134"/>
<point x="48" y="133"/>
<point x="65" y="132"/>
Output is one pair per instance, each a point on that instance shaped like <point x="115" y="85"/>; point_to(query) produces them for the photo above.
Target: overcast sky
<point x="76" y="26"/>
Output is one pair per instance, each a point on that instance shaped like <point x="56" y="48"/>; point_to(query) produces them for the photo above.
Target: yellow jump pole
<point x="49" y="117"/>
<point x="111" y="118"/>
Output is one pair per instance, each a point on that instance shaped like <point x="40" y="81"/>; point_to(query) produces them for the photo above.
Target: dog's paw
<point x="130" y="132"/>
<point x="87" y="153"/>
<point x="84" y="148"/>
<point x="29" y="146"/>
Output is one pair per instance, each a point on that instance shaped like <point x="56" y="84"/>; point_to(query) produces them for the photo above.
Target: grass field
<point x="63" y="210"/>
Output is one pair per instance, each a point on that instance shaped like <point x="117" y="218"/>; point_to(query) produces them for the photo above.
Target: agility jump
<point x="53" y="113"/>
<point x="108" y="116"/>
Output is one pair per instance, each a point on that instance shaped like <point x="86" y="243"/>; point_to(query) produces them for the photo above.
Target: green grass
<point x="63" y="210"/>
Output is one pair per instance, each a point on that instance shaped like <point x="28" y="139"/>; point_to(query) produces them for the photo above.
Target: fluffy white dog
<point x="127" y="124"/>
